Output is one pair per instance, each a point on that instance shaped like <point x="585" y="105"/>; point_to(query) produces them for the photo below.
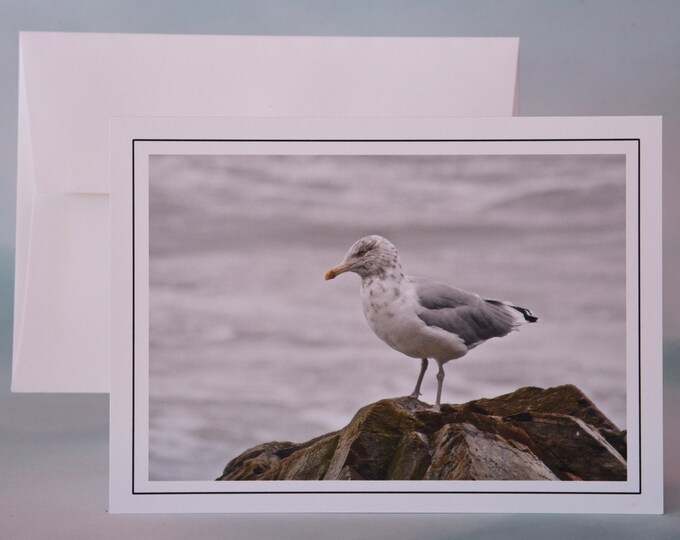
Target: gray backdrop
<point x="577" y="58"/>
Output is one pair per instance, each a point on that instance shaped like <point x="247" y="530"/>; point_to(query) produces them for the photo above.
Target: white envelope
<point x="71" y="84"/>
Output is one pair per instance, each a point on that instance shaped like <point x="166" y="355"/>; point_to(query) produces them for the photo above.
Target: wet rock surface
<point x="530" y="434"/>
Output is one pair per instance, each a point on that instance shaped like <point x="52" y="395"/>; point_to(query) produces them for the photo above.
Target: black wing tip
<point x="528" y="316"/>
<point x="526" y="313"/>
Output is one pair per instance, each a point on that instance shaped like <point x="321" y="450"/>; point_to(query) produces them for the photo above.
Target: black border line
<point x="639" y="224"/>
<point x="133" y="317"/>
<point x="639" y="194"/>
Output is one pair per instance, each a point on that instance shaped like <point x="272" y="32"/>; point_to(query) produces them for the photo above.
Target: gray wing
<point x="465" y="314"/>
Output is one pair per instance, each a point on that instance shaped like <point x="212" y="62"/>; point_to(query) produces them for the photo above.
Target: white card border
<point x="132" y="139"/>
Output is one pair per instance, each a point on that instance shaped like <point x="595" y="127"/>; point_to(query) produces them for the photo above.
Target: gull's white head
<point x="371" y="256"/>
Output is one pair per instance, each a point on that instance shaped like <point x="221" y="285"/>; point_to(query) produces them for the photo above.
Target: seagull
<point x="422" y="318"/>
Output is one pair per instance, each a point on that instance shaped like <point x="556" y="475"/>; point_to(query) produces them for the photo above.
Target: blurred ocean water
<point x="250" y="344"/>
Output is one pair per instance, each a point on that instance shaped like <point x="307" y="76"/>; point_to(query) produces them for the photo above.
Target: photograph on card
<point x="387" y="317"/>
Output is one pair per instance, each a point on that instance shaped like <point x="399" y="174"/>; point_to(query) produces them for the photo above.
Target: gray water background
<point x="249" y="344"/>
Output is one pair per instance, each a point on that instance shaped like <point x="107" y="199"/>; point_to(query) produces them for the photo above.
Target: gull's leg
<point x="440" y="381"/>
<point x="423" y="368"/>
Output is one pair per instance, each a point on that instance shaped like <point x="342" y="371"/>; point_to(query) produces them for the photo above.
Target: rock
<point x="463" y="452"/>
<point x="530" y="434"/>
<point x="572" y="448"/>
<point x="412" y="457"/>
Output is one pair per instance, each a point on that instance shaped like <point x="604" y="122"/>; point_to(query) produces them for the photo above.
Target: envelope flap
<point x="75" y="82"/>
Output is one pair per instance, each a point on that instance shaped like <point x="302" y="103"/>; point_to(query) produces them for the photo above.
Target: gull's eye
<point x="361" y="252"/>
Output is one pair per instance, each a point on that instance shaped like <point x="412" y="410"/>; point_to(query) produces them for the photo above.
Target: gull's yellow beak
<point x="336" y="271"/>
